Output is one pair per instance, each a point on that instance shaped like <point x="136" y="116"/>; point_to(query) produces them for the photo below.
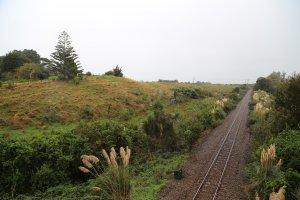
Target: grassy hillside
<point x="42" y="103"/>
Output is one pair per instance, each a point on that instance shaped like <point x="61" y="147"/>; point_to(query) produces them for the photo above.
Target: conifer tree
<point x="64" y="62"/>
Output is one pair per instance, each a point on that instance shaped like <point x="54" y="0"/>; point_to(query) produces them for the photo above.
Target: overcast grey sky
<point x="221" y="41"/>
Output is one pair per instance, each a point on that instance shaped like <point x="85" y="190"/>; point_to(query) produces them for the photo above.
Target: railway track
<point x="207" y="188"/>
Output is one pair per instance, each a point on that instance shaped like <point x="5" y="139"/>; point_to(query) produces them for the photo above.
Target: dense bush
<point x="190" y="92"/>
<point x="193" y="128"/>
<point x="288" y="148"/>
<point x="263" y="84"/>
<point x="110" y="133"/>
<point x="88" y="73"/>
<point x="117" y="71"/>
<point x="160" y="127"/>
<point x="36" y="164"/>
<point x="228" y="106"/>
<point x="236" y="90"/>
<point x="87" y="112"/>
<point x="76" y="80"/>
<point x="270" y="83"/>
<point x="261" y="128"/>
<point x="10" y="84"/>
<point x="50" y="116"/>
<point x="287" y="103"/>
<point x="13" y="60"/>
<point x="32" y="71"/>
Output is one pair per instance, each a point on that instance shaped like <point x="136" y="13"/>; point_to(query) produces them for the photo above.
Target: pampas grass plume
<point x="279" y="195"/>
<point x="93" y="159"/>
<point x="84" y="170"/>
<point x="84" y="157"/>
<point x="113" y="151"/>
<point x="96" y="189"/>
<point x="113" y="159"/>
<point x="128" y="152"/>
<point x="87" y="163"/>
<point x="122" y="152"/>
<point x="106" y="156"/>
<point x="256" y="196"/>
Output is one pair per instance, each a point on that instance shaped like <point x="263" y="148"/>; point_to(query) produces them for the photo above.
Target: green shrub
<point x="44" y="177"/>
<point x="260" y="127"/>
<point x="88" y="73"/>
<point x="287" y="103"/>
<point x="30" y="71"/>
<point x="117" y="71"/>
<point x="288" y="148"/>
<point x="109" y="133"/>
<point x="293" y="183"/>
<point x="236" y="90"/>
<point x="76" y="80"/>
<point x="192" y="127"/>
<point x="36" y="164"/>
<point x="50" y="116"/>
<point x="234" y="96"/>
<point x="251" y="105"/>
<point x="160" y="127"/>
<point x="219" y="114"/>
<point x="10" y="84"/>
<point x="189" y="92"/>
<point x="87" y="112"/>
<point x="229" y="105"/>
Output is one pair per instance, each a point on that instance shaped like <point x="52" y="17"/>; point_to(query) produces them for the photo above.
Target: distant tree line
<point x="64" y="63"/>
<point x="168" y="81"/>
<point x="270" y="83"/>
<point x="26" y="64"/>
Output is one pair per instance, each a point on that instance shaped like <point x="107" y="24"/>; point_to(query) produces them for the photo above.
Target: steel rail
<point x="229" y="155"/>
<point x="218" y="153"/>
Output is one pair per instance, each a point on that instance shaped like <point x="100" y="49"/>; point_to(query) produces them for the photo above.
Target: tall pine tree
<point x="64" y="62"/>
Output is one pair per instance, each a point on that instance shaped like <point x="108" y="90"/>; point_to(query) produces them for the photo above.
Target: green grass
<point x="31" y="131"/>
<point x="149" y="177"/>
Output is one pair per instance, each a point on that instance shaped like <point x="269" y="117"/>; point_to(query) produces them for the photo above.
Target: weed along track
<point x="215" y="166"/>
